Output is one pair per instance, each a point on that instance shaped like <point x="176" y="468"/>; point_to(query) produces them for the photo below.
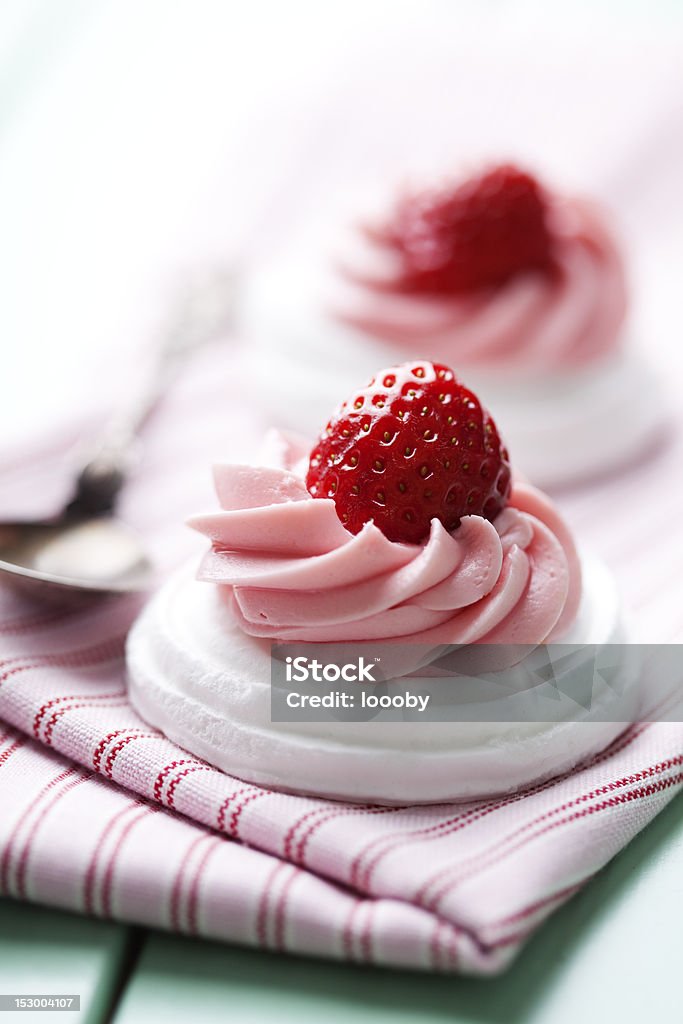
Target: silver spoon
<point x="85" y="550"/>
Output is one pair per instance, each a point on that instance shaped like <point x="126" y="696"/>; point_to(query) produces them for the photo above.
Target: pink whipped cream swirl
<point x="292" y="572"/>
<point x="535" y="321"/>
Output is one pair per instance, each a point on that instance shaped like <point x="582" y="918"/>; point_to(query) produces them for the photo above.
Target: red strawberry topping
<point x="477" y="235"/>
<point x="412" y="446"/>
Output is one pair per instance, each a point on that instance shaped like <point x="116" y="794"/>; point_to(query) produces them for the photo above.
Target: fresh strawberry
<point x="479" y="234"/>
<point x="412" y="446"/>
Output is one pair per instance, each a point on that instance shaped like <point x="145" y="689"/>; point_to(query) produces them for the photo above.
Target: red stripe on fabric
<point x="56" y="715"/>
<point x="166" y="771"/>
<point x="193" y="895"/>
<point x="17" y="670"/>
<point x="108" y="875"/>
<point x="176" y="888"/>
<point x="435" y="944"/>
<point x="288" y="838"/>
<point x="7" y="852"/>
<point x="12" y="749"/>
<point x="121" y="745"/>
<point x="540" y="904"/>
<point x="366" y="933"/>
<point x="479" y="864"/>
<point x="324" y="811"/>
<point x="234" y="824"/>
<point x="133" y="732"/>
<point x="360" y="877"/>
<point x="44" y="708"/>
<point x="22" y="866"/>
<point x="182" y="775"/>
<point x="280" y="922"/>
<point x="223" y="809"/>
<point x="348" y="931"/>
<point x="443" y="946"/>
<point x="261" y="923"/>
<point x="326" y="816"/>
<point x="91" y="871"/>
<point x="453" y="952"/>
<point x="102" y="746"/>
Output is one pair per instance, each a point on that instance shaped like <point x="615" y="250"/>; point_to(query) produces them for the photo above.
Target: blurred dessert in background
<point x="495" y="272"/>
<point x="522" y="288"/>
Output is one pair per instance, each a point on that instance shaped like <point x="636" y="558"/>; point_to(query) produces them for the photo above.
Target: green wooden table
<point x="614" y="953"/>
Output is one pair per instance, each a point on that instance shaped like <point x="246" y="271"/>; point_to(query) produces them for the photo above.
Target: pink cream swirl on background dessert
<point x="496" y="272"/>
<point x="404" y="526"/>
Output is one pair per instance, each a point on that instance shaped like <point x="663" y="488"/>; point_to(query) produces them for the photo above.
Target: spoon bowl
<point x="98" y="555"/>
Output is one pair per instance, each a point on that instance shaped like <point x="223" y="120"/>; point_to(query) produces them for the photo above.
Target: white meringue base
<point x="560" y="426"/>
<point x="206" y="685"/>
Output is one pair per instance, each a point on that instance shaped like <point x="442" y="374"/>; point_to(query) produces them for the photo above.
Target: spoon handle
<point x="203" y="312"/>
